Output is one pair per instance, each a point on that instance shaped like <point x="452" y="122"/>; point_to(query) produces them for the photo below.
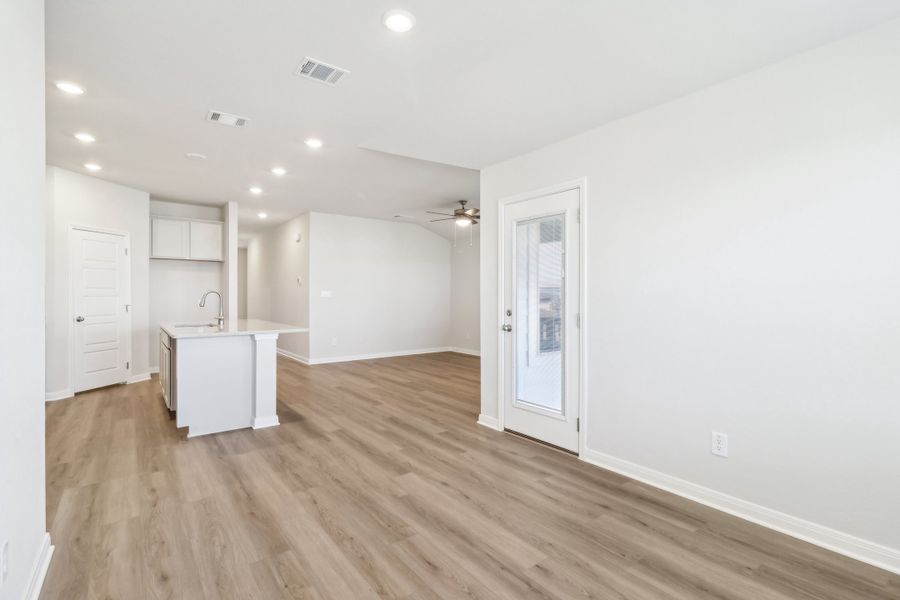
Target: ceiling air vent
<point x="217" y="116"/>
<point x="314" y="69"/>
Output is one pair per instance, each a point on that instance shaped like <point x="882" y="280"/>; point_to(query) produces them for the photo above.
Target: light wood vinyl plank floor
<point x="379" y="484"/>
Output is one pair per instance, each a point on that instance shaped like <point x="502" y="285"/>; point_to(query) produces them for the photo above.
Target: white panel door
<point x="541" y="291"/>
<point x="100" y="295"/>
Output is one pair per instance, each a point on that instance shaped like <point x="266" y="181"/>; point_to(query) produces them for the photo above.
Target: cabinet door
<point x="170" y="238"/>
<point x="164" y="370"/>
<point x="206" y="241"/>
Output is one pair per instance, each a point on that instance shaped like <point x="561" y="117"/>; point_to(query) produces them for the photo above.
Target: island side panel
<point x="265" y="385"/>
<point x="215" y="383"/>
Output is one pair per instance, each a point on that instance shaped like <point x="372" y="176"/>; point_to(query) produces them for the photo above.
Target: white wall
<point x="242" y="283"/>
<point x="75" y="199"/>
<point x="275" y="259"/>
<point x="465" y="301"/>
<point x="176" y="285"/>
<point x="22" y="193"/>
<point x="390" y="286"/>
<point x="742" y="276"/>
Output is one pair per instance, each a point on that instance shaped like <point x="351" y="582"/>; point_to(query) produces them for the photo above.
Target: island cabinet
<point x="167" y="370"/>
<point x="185" y="239"/>
<point x="221" y="378"/>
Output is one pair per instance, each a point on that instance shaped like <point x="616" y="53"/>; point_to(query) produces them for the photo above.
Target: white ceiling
<point x="476" y="82"/>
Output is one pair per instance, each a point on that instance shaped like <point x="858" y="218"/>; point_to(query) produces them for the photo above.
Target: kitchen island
<point x="221" y="378"/>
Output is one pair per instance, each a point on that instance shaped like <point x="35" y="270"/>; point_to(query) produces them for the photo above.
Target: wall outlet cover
<point x="719" y="444"/>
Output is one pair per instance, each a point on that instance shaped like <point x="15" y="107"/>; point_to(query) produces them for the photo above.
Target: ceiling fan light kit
<point x="462" y="217"/>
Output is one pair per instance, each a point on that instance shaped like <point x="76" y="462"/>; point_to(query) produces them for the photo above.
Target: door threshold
<point x="541" y="442"/>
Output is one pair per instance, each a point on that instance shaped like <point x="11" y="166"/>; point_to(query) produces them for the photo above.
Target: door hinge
<point x="128" y="365"/>
<point x="126" y="251"/>
<point x="578" y="320"/>
<point x="578" y="215"/>
<point x="577" y="424"/>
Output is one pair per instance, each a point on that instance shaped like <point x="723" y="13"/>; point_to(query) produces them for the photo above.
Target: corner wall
<point x="22" y="238"/>
<point x="387" y="286"/>
<point x="742" y="276"/>
<point x="465" y="334"/>
<point x="275" y="261"/>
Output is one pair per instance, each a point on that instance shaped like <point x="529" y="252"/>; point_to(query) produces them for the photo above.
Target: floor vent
<point x="316" y="70"/>
<point x="223" y="118"/>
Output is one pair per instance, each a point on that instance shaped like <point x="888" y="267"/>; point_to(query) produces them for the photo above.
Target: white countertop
<point x="179" y="330"/>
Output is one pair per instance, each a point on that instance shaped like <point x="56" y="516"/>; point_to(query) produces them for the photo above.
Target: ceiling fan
<point x="462" y="215"/>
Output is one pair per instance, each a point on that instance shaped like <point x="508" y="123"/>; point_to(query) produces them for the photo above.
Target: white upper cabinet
<point x="206" y="240"/>
<point x="171" y="238"/>
<point x="185" y="239"/>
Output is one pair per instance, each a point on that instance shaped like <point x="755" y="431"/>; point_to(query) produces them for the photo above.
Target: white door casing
<point x="540" y="345"/>
<point x="100" y="277"/>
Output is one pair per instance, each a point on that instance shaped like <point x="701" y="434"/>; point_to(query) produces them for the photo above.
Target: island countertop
<point x="240" y="327"/>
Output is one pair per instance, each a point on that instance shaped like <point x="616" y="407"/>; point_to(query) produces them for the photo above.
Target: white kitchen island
<point x="221" y="378"/>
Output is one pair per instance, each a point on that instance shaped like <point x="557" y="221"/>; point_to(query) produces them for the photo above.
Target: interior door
<point x="541" y="346"/>
<point x="100" y="295"/>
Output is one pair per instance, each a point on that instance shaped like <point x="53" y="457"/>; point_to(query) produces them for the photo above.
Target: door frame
<point x="504" y="203"/>
<point x="73" y="345"/>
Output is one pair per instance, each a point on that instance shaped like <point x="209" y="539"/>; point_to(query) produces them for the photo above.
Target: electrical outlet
<point x="719" y="445"/>
<point x="334" y="341"/>
<point x="4" y="562"/>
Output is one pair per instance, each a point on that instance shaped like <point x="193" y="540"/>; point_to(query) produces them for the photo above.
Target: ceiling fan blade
<point x="472" y="212"/>
<point x="447" y="219"/>
<point x="431" y="212"/>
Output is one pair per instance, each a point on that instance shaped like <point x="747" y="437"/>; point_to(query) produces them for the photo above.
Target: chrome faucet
<point x="221" y="318"/>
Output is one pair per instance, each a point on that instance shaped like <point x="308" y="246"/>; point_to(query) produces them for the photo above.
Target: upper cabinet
<point x="206" y="240"/>
<point x="185" y="239"/>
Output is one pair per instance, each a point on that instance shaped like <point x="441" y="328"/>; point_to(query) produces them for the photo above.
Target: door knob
<point x="507" y="328"/>
<point x="79" y="318"/>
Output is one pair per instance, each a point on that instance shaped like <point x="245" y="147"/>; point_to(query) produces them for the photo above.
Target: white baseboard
<point x="825" y="537"/>
<point x="154" y="371"/>
<point x="58" y="395"/>
<point x="39" y="569"/>
<point x="464" y="351"/>
<point x="491" y="422"/>
<point x="292" y="356"/>
<point x="139" y="378"/>
<point x="264" y="422"/>
<point x="353" y="357"/>
<point x="350" y="358"/>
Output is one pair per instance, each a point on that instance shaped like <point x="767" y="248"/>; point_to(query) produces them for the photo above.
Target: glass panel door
<point x="539" y="298"/>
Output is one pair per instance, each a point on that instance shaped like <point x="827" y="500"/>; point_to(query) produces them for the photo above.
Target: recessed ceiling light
<point x="85" y="138"/>
<point x="279" y="171"/>
<point x="256" y="191"/>
<point x="92" y="166"/>
<point x="398" y="21"/>
<point x="314" y="143"/>
<point x="70" y="88"/>
<point x="196" y="155"/>
<point x="262" y="215"/>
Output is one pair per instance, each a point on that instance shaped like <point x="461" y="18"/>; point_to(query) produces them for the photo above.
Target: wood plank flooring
<point x="379" y="484"/>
